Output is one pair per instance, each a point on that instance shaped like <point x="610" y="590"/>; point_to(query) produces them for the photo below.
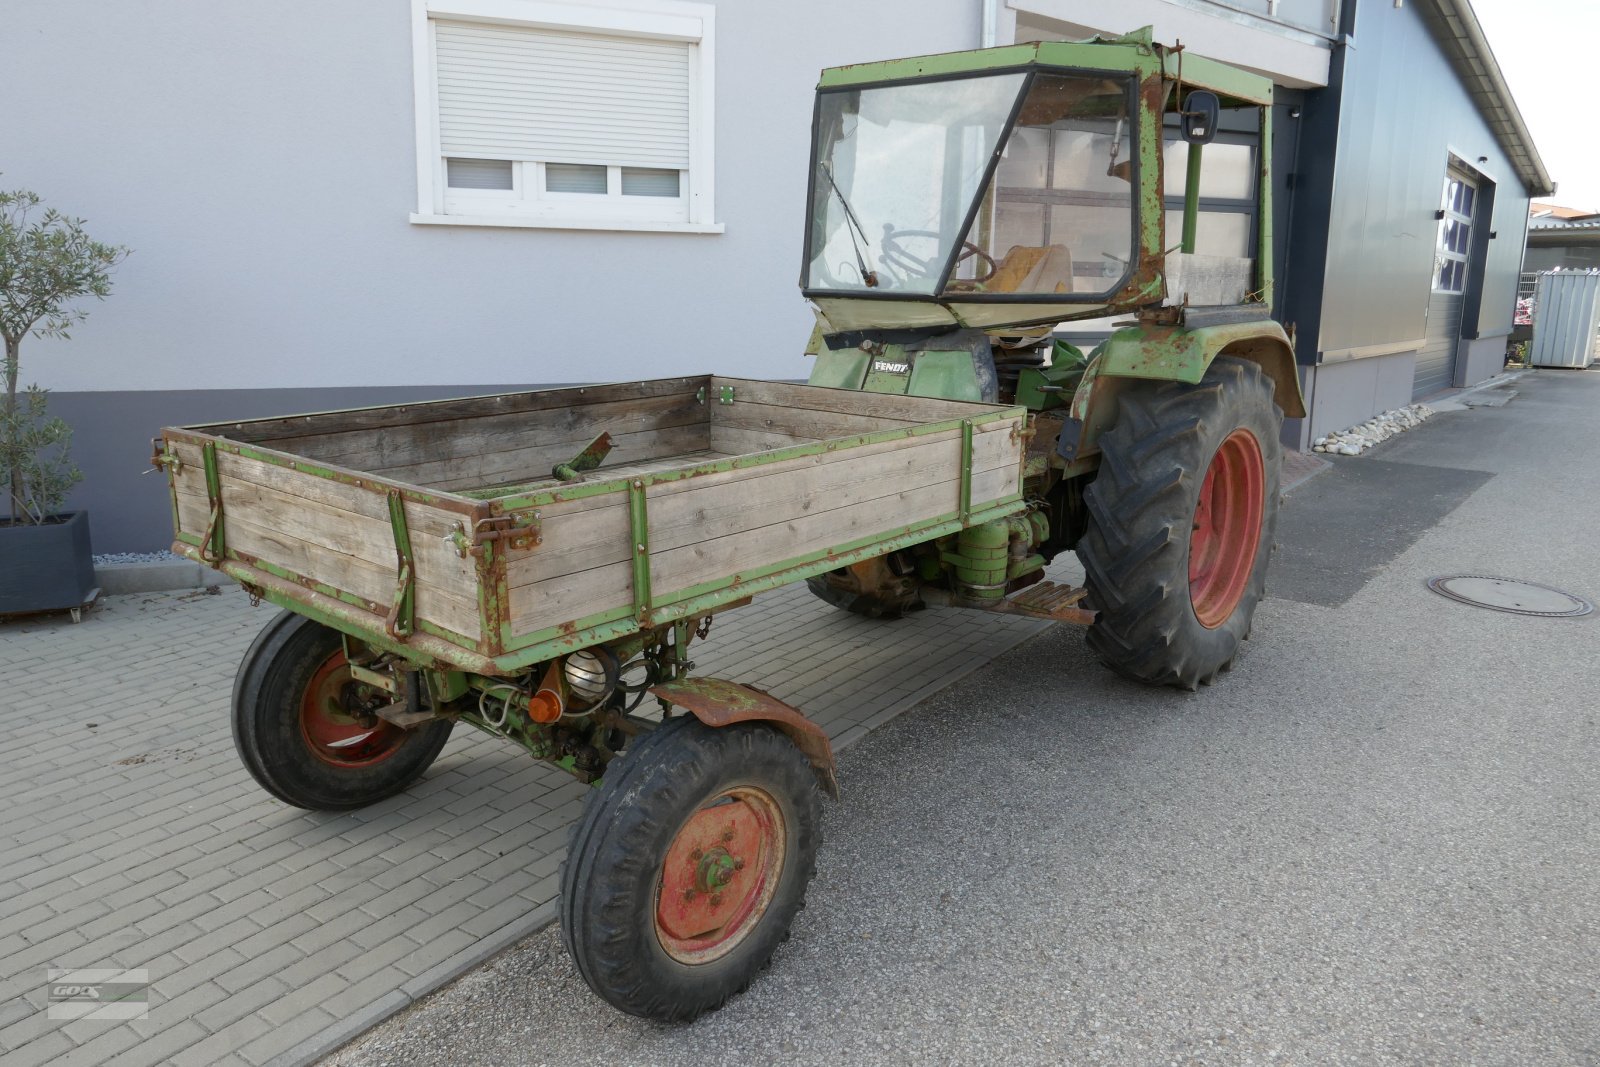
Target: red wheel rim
<point x="720" y="874"/>
<point x="1227" y="529"/>
<point x="335" y="722"/>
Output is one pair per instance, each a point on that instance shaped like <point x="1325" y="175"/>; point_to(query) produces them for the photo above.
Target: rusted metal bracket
<point x="212" y="544"/>
<point x="161" y="457"/>
<point x="593" y="454"/>
<point x="402" y="618"/>
<point x="520" y="532"/>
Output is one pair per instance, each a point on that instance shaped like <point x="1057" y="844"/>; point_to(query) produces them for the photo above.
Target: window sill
<point x="637" y="226"/>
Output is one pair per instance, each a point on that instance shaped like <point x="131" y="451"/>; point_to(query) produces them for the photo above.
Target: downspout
<point x="989" y="30"/>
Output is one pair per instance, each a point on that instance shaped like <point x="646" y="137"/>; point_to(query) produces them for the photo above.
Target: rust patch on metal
<point x="718" y="702"/>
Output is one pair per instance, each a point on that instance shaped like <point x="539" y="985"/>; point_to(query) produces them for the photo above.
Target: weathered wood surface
<point x="704" y="529"/>
<point x="710" y="527"/>
<point x="334" y="533"/>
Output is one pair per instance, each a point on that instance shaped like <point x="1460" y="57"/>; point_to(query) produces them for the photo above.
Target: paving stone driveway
<point x="132" y="837"/>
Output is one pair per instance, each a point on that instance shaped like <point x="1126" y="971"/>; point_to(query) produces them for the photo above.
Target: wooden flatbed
<point x="441" y="530"/>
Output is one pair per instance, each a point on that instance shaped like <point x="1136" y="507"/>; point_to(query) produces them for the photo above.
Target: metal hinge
<point x="520" y="532"/>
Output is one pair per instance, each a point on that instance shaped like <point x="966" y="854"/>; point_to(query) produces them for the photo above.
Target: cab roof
<point x="1135" y="53"/>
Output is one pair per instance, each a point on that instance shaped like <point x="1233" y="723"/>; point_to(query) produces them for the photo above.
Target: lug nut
<point x="696" y="854"/>
<point x="716" y="898"/>
<point x="688" y="895"/>
<point x="738" y="865"/>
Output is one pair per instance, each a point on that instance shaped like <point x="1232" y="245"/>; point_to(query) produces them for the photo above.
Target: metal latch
<point x="519" y="532"/>
<point x="724" y="394"/>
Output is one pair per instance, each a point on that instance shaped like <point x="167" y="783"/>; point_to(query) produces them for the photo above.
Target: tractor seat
<point x="1032" y="269"/>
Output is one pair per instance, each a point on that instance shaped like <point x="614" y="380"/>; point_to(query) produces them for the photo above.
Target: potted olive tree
<point x="47" y="264"/>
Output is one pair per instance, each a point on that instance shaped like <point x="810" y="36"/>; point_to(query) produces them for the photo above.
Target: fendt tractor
<point x="537" y="565"/>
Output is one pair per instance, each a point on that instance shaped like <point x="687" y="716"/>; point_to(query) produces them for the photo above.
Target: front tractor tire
<point x="688" y="866"/>
<point x="306" y="730"/>
<point x="1180" y="524"/>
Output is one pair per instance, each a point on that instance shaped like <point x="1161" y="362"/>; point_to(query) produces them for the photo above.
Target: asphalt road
<point x="1376" y="841"/>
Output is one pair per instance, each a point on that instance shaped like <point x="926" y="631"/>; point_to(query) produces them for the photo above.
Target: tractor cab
<point x="1024" y="185"/>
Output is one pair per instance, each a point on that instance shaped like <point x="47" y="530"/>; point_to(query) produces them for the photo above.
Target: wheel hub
<point x="719" y="875"/>
<point x="338" y="719"/>
<point x="1227" y="528"/>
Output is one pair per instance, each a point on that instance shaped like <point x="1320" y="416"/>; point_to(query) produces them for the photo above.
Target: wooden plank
<point x="717" y="511"/>
<point x="347" y="521"/>
<point x="386" y="415"/>
<point x="538" y="459"/>
<point x="736" y="441"/>
<point x="781" y="466"/>
<point x="605" y="472"/>
<point x="723" y="557"/>
<point x="422" y="519"/>
<point x="918" y="409"/>
<point x="584" y="534"/>
<point x="345" y="573"/>
<point x="569" y="428"/>
<point x="818" y="424"/>
<point x="567" y="597"/>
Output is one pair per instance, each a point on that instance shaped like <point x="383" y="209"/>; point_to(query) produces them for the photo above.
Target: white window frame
<point x="674" y="20"/>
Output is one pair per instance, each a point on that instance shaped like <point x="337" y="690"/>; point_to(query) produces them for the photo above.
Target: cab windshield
<point x="896" y="169"/>
<point x="899" y="168"/>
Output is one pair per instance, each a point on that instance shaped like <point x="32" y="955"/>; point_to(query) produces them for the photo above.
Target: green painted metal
<point x="1264" y="259"/>
<point x="1176" y="353"/>
<point x="844" y="368"/>
<point x="446" y="686"/>
<point x="639" y="531"/>
<point x="888" y="370"/>
<point x="593" y="454"/>
<point x="402" y="618"/>
<point x="215" y="539"/>
<point x="980" y="559"/>
<point x="1134" y="52"/>
<point x="1236" y="87"/>
<point x="1043" y="388"/>
<point x="1191" y="198"/>
<point x="946" y="375"/>
<point x="966" y="472"/>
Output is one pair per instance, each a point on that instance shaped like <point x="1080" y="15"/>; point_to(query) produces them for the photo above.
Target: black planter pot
<point x="48" y="567"/>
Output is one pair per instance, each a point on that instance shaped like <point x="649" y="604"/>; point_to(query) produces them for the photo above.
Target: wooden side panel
<point x="806" y="398"/>
<point x="736" y="441"/>
<point x="482" y="445"/>
<point x="711" y="527"/>
<point x="332" y="533"/>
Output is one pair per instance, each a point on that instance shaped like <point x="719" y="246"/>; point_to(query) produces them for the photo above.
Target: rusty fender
<point x="717" y="702"/>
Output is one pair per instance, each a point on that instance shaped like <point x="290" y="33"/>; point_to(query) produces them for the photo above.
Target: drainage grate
<point x="1510" y="594"/>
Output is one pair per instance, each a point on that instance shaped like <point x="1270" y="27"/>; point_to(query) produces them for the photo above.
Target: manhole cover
<point x="1510" y="594"/>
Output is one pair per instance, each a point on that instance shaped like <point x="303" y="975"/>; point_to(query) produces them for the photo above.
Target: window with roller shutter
<point x="556" y="114"/>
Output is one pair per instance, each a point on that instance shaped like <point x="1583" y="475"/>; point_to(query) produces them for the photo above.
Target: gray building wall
<point x="1404" y="113"/>
<point x="260" y="161"/>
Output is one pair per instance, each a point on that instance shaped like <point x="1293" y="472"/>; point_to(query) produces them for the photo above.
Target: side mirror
<point x="1201" y="109"/>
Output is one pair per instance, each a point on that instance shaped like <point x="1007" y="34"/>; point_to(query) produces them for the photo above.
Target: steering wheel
<point x="893" y="254"/>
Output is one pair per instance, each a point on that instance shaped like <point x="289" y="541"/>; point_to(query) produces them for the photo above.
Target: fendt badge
<point x="885" y="366"/>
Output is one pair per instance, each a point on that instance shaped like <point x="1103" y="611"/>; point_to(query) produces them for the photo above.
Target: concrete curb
<point x="157" y="577"/>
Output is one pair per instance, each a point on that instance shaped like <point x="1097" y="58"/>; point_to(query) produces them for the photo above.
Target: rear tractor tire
<point x="1180" y="524"/>
<point x="306" y="730"/>
<point x="688" y="866"/>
